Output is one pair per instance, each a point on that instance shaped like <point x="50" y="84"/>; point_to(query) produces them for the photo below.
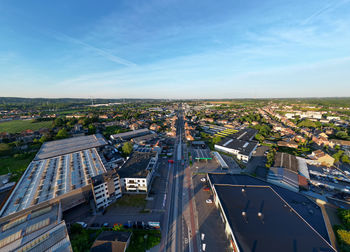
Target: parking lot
<point x="209" y="220"/>
<point x="258" y="159"/>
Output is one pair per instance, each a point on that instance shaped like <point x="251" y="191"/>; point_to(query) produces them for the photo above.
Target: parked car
<point x="209" y="201"/>
<point x="203" y="179"/>
<point x="105" y="224"/>
<point x="206" y="189"/>
<point x="83" y="224"/>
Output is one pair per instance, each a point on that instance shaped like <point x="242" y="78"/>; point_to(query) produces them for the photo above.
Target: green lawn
<point x="18" y="126"/>
<point x="15" y="165"/>
<point x="136" y="200"/>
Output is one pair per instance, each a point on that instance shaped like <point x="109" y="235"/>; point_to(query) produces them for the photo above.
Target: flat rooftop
<point x="48" y="178"/>
<point x="21" y="228"/>
<point x="306" y="208"/>
<point x="69" y="145"/>
<point x="246" y="134"/>
<point x="136" y="166"/>
<point x="279" y="229"/>
<point x="131" y="134"/>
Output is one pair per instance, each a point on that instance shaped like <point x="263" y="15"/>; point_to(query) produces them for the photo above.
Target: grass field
<point x="15" y="165"/>
<point x="18" y="126"/>
<point x="137" y="200"/>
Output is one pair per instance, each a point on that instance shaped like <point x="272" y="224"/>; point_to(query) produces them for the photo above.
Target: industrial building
<point x="266" y="217"/>
<point x="289" y="171"/>
<point x="136" y="174"/>
<point x="61" y="168"/>
<point x="239" y="144"/>
<point x="38" y="228"/>
<point x="126" y="136"/>
<point x="106" y="188"/>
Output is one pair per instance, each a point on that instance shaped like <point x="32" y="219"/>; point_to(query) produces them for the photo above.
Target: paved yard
<point x="209" y="220"/>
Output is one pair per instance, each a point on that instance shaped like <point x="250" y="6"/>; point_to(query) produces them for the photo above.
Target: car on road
<point x="94" y="225"/>
<point x="203" y="179"/>
<point x="206" y="189"/>
<point x="208" y="201"/>
<point x="105" y="224"/>
<point x="83" y="224"/>
<point x="171" y="161"/>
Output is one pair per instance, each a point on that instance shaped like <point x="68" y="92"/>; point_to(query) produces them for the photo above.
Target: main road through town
<point x="176" y="231"/>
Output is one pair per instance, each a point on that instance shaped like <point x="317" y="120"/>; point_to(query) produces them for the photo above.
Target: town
<point x="175" y="175"/>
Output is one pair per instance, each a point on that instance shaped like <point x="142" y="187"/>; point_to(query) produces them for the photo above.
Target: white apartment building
<point x="137" y="173"/>
<point x="106" y="188"/>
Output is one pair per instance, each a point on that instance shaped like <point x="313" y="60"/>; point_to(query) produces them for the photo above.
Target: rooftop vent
<point x="244" y="215"/>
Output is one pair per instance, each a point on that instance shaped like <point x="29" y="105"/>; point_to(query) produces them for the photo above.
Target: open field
<point x="15" y="165"/>
<point x="18" y="126"/>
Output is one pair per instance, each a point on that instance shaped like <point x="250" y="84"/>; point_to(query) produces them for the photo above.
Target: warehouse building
<point x="126" y="136"/>
<point x="239" y="144"/>
<point x="288" y="171"/>
<point x="242" y="149"/>
<point x="266" y="217"/>
<point x="38" y="228"/>
<point x="61" y="169"/>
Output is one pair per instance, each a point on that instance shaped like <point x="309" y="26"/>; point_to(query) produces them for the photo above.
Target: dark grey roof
<point x="246" y="134"/>
<point x="279" y="229"/>
<point x="114" y="236"/>
<point x="111" y="241"/>
<point x="104" y="177"/>
<point x="136" y="165"/>
<point x="69" y="145"/>
<point x="244" y="147"/>
<point x="301" y="204"/>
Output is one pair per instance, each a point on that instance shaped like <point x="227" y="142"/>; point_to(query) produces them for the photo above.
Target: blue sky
<point x="175" y="48"/>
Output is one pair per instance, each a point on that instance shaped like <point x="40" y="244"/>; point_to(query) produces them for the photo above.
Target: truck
<point x="154" y="224"/>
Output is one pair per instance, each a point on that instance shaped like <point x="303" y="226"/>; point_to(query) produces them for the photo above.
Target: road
<point x="176" y="229"/>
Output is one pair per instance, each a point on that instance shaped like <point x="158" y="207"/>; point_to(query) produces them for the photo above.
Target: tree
<point x="59" y="122"/>
<point x="127" y="148"/>
<point x="4" y="148"/>
<point x="216" y="140"/>
<point x="345" y="159"/>
<point x="259" y="137"/>
<point x="91" y="129"/>
<point x="62" y="133"/>
<point x="342" y="135"/>
<point x="43" y="139"/>
<point x="337" y="155"/>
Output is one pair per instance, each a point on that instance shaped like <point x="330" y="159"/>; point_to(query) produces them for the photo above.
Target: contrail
<point x="328" y="7"/>
<point x="99" y="51"/>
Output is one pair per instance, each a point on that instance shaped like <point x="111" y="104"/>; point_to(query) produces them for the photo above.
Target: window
<point x="10" y="239"/>
<point x="14" y="222"/>
<point x="34" y="243"/>
<point x="38" y="225"/>
<point x="40" y="212"/>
